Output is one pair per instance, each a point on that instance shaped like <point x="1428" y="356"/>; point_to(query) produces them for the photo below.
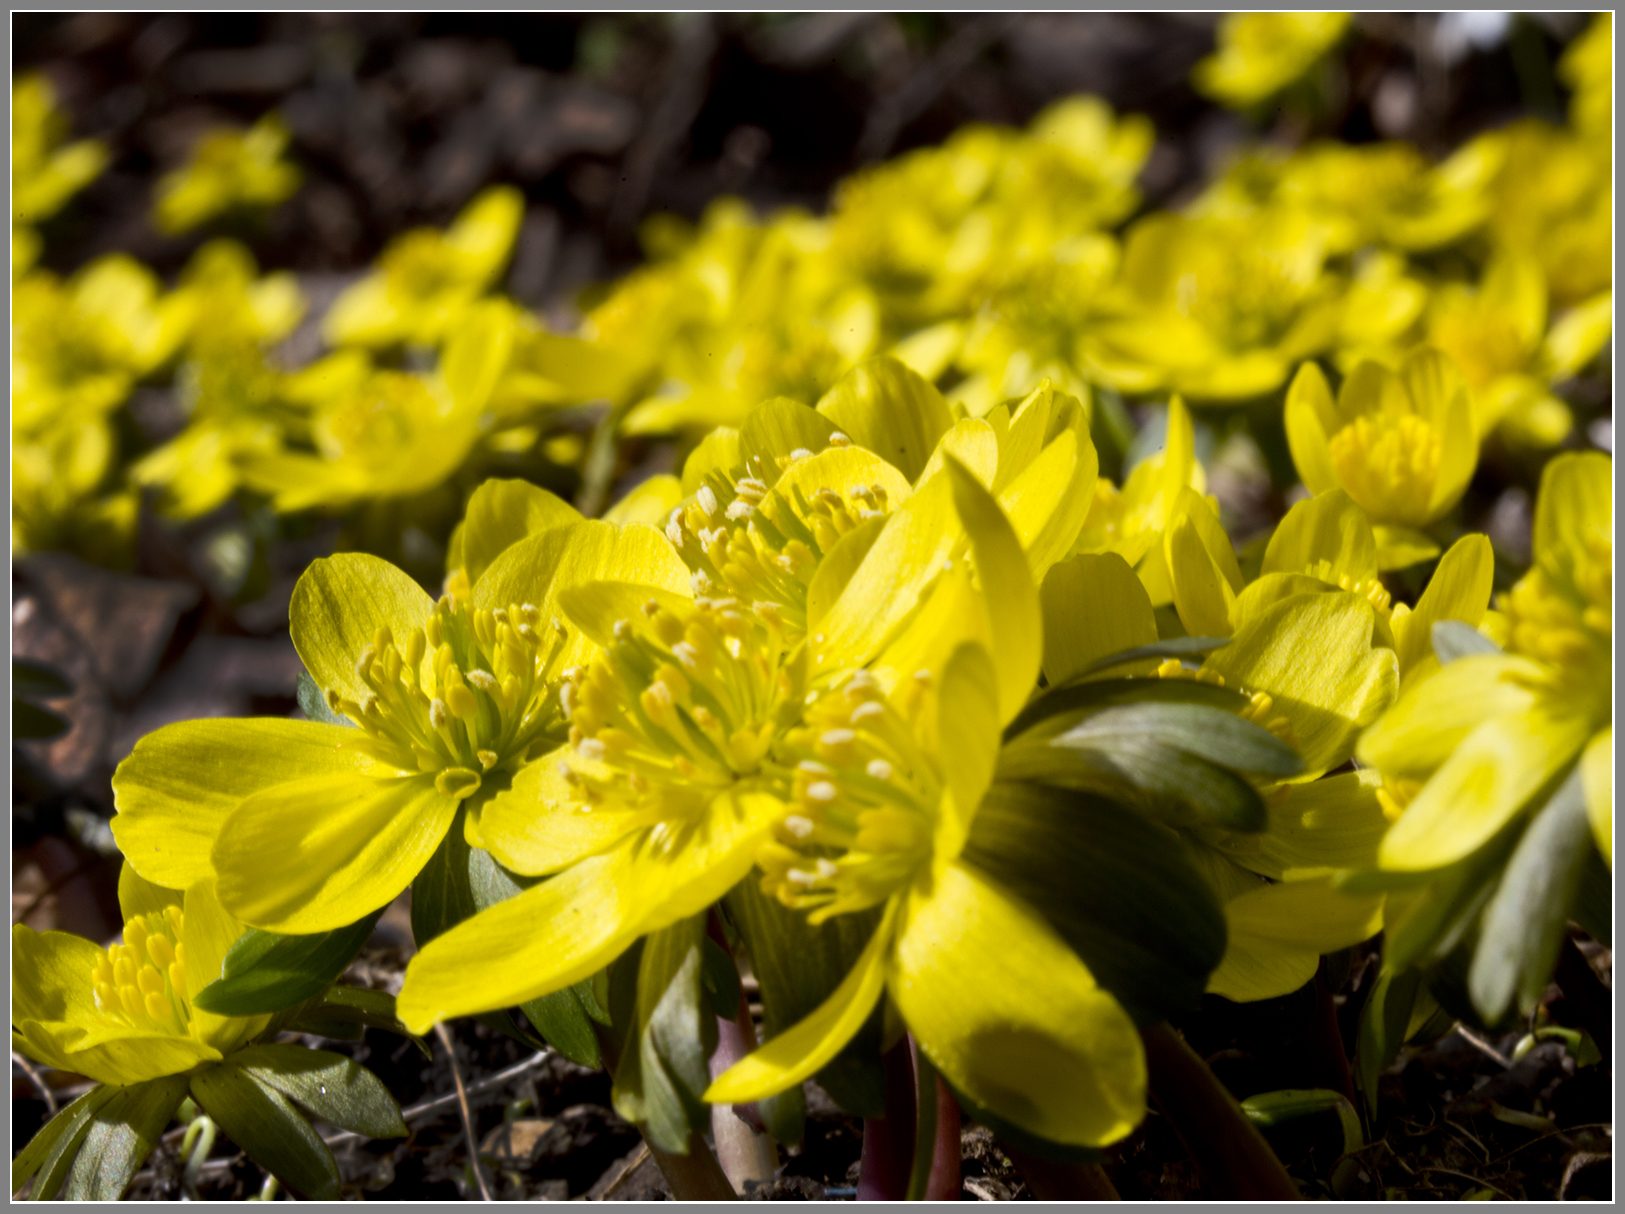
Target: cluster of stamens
<point x="1371" y="588"/>
<point x="866" y="800"/>
<point x="742" y="540"/>
<point x="1570" y="628"/>
<point x="485" y="698"/>
<point x="1389" y="464"/>
<point x="141" y="983"/>
<point x="678" y="705"/>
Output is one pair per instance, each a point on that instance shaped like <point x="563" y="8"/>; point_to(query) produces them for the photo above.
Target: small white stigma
<point x="799" y="826"/>
<point x="822" y="790"/>
<point x="879" y="769"/>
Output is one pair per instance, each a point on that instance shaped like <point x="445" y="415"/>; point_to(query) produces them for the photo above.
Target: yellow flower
<point x="130" y="1017"/>
<point x="308" y="826"/>
<point x="44" y="173"/>
<point x="1497" y="334"/>
<point x="427" y="280"/>
<point x="1496" y="769"/>
<point x="1403" y="445"/>
<point x="227" y="170"/>
<point x="1587" y="68"/>
<point x="1215" y="309"/>
<point x="1262" y="53"/>
<point x="1485" y="733"/>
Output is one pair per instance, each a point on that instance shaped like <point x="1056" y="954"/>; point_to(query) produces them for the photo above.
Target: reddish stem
<point x="944" y="1184"/>
<point x="888" y="1142"/>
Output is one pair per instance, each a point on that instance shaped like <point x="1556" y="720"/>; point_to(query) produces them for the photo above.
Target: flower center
<point x="1388" y="464"/>
<point x="682" y="703"/>
<point x="741" y="540"/>
<point x="485" y="701"/>
<point x="1568" y="627"/>
<point x="866" y="802"/>
<point x="141" y="983"/>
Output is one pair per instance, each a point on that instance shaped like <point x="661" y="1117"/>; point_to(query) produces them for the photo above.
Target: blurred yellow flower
<point x="227" y="170"/>
<point x="1262" y="53"/>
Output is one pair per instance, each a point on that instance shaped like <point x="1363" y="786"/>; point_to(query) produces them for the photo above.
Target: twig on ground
<point x="27" y="1068"/>
<point x="1483" y="1046"/>
<point x="462" y="1107"/>
<point x="627" y="1168"/>
<point x="440" y="1102"/>
<point x="1478" y="1180"/>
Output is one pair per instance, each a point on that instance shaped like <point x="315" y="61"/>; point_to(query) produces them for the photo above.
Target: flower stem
<point x="888" y="1142"/>
<point x="744" y="1150"/>
<point x="935" y="1174"/>
<point x="1235" y="1160"/>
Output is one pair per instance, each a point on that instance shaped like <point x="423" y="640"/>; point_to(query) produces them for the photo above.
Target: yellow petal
<point x="1489" y="777"/>
<point x="650" y="503"/>
<point x="1048" y="502"/>
<point x="1093" y="606"/>
<point x="1430" y="720"/>
<point x="538" y="826"/>
<point x="884" y="406"/>
<point x="540" y="569"/>
<point x="500" y="513"/>
<point x="972" y="442"/>
<point x="174" y="791"/>
<point x="1330" y="529"/>
<point x="1313" y="655"/>
<point x="1310" y="419"/>
<point x="1333" y="823"/>
<point x="1202" y="567"/>
<point x="1575" y="508"/>
<point x="1011" y="1017"/>
<point x="1458" y="590"/>
<point x="316" y="854"/>
<point x="770" y="433"/>
<point x="1597" y="777"/>
<point x="338" y="606"/>
<point x="802" y="1050"/>
<point x="137" y="896"/>
<point x="1458" y="455"/>
<point x="1007" y="587"/>
<point x="967" y="727"/>
<point x="719" y="451"/>
<point x="572" y="925"/>
<point x="1278" y="933"/>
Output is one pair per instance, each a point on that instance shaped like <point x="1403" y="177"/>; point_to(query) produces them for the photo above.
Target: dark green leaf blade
<point x="1523" y="924"/>
<point x="267" y="972"/>
<point x="50" y="1153"/>
<point x="121" y="1136"/>
<point x="1116" y="886"/>
<point x="330" y="1085"/>
<point x="1383" y="1021"/>
<point x="262" y="1121"/>
<point x="1083" y="697"/>
<point x="564" y="1024"/>
<point x="1209" y="733"/>
<point x="1171" y="779"/>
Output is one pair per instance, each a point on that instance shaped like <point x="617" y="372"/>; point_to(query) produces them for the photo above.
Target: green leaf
<point x="798" y="966"/>
<point x="267" y="972"/>
<point x="1523" y="926"/>
<point x="1435" y="920"/>
<point x="721" y="979"/>
<point x="1116" y="886"/>
<point x="1277" y="1108"/>
<point x="261" y="1121"/>
<point x="314" y="705"/>
<point x="330" y="1085"/>
<point x="51" y="1152"/>
<point x="1208" y="733"/>
<point x="29" y="722"/>
<point x="1594" y="905"/>
<point x="661" y="1081"/>
<point x="1452" y="639"/>
<point x="1383" y="1021"/>
<point x="1080" y="697"/>
<point x="121" y="1136"/>
<point x="1175" y="647"/>
<point x="1166" y="777"/>
<point x="565" y="1023"/>
<point x="37" y="681"/>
